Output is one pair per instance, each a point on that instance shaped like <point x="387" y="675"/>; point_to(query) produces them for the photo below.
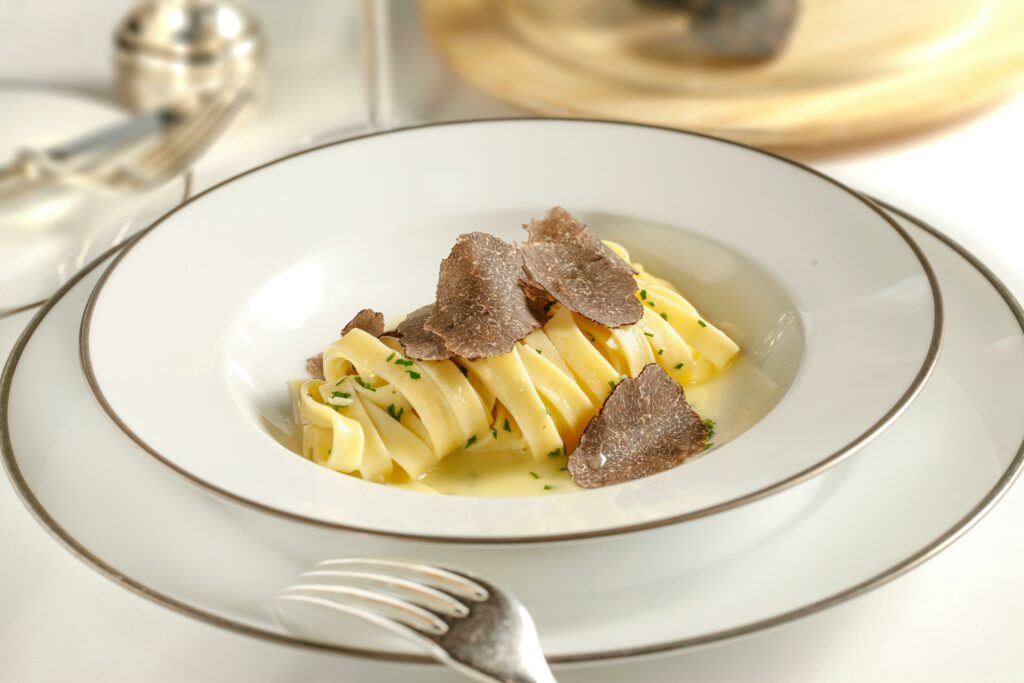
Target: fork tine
<point x="190" y="139"/>
<point x="303" y="626"/>
<point x="386" y="606"/>
<point x="448" y="581"/>
<point x="418" y="594"/>
<point x="182" y="145"/>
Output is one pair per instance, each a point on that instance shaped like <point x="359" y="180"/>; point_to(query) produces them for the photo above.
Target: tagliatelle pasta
<point x="384" y="417"/>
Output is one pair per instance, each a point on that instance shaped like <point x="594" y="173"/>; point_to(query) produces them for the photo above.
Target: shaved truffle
<point x="561" y="227"/>
<point x="315" y="366"/>
<point x="580" y="272"/>
<point x="585" y="282"/>
<point x="367" y="320"/>
<point x="646" y="426"/>
<point x="481" y="310"/>
<point x="417" y="342"/>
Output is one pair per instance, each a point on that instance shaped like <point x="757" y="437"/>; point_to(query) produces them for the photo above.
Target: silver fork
<point x="175" y="151"/>
<point x="460" y="619"/>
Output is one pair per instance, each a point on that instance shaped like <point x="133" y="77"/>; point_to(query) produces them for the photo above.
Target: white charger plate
<point x="196" y="328"/>
<point x="909" y="494"/>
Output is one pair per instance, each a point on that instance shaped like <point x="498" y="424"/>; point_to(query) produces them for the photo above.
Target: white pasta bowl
<point x="193" y="334"/>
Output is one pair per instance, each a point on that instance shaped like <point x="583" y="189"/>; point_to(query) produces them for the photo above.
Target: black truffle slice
<point x="579" y="271"/>
<point x="481" y="310"/>
<point x="315" y="366"/>
<point x="367" y="320"/>
<point x="585" y="282"/>
<point x="561" y="227"/>
<point x="645" y="427"/>
<point x="417" y="342"/>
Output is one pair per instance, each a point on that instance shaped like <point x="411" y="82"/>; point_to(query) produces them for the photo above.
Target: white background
<point x="960" y="617"/>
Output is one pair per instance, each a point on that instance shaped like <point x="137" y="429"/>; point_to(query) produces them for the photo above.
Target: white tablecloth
<point x="960" y="617"/>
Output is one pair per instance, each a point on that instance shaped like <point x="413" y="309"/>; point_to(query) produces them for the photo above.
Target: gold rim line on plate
<point x="856" y="444"/>
<point x="930" y="550"/>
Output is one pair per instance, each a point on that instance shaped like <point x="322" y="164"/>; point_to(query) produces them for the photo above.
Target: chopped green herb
<point x="563" y="469"/>
<point x="388" y="359"/>
<point x="701" y="323"/>
<point x="397" y="415"/>
<point x="548" y="487"/>
<point x="414" y="374"/>
<point x="464" y="371"/>
<point x="534" y="475"/>
<point x="648" y="334"/>
<point x="710" y="424"/>
<point x="643" y="293"/>
<point x="555" y="453"/>
<point x="651" y="304"/>
<point x="338" y="383"/>
<point x="363" y="384"/>
<point x="329" y="451"/>
<point x="507" y="427"/>
<point x="664" y="316"/>
<point x="539" y="351"/>
<point x="679" y="366"/>
<point x="661" y="352"/>
<point x="341" y="394"/>
<point x="470" y="441"/>
<point x="494" y="432"/>
<point x="611" y="383"/>
<point x="404" y="361"/>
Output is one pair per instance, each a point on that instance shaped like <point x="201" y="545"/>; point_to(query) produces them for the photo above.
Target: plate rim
<point x="819" y="467"/>
<point x="957" y="530"/>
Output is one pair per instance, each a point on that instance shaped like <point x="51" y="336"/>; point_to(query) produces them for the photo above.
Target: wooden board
<point x="967" y="75"/>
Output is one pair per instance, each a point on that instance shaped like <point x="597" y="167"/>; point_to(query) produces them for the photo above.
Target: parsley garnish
<point x="470" y="441"/>
<point x="709" y="437"/>
<point x="534" y="475"/>
<point x="651" y="304"/>
<point x="341" y="394"/>
<point x="548" y="487"/>
<point x="539" y="351"/>
<point x="494" y="432"/>
<point x="661" y="351"/>
<point x="507" y="427"/>
<point x="555" y="453"/>
<point x="404" y="361"/>
<point x="643" y="293"/>
<point x="364" y="385"/>
<point x="648" y="334"/>
<point x="664" y="316"/>
<point x="414" y="374"/>
<point x="388" y="359"/>
<point x="679" y="366"/>
<point x="611" y="383"/>
<point x="701" y="323"/>
<point x="397" y="415"/>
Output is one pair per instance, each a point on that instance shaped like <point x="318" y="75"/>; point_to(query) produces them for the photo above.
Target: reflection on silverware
<point x="177" y="51"/>
<point x="462" y="620"/>
<point x="77" y="157"/>
<point x="176" y="151"/>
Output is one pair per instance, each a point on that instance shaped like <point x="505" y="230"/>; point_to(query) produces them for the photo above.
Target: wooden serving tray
<point x="758" y="106"/>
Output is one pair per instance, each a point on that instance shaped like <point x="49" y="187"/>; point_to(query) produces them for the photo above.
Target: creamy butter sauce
<point x="733" y="399"/>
